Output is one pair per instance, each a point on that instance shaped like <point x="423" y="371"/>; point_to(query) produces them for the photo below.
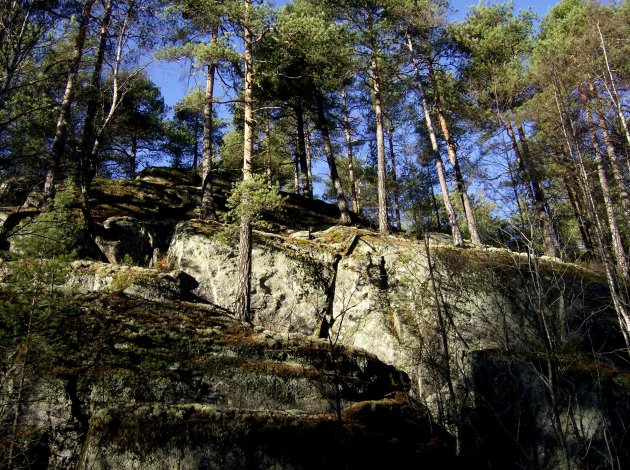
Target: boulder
<point x="132" y="281"/>
<point x="126" y="240"/>
<point x="289" y="277"/>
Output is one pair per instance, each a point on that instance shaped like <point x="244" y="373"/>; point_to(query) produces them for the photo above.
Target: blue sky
<point x="175" y="80"/>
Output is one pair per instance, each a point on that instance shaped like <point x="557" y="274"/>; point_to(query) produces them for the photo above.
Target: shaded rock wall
<point x="146" y="384"/>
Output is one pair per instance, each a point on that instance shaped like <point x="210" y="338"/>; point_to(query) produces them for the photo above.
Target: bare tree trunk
<point x="296" y="174"/>
<point x="322" y="123"/>
<point x="133" y="157"/>
<point x="207" y="193"/>
<point x="268" y="171"/>
<point x="615" y="162"/>
<point x="452" y="155"/>
<point x="348" y="132"/>
<point x="395" y="189"/>
<point x="612" y="88"/>
<point x="115" y="82"/>
<point x="383" y="226"/>
<point x="620" y="303"/>
<point x="86" y="164"/>
<point x="243" y="294"/>
<point x="458" y="240"/>
<point x="61" y="130"/>
<point x="301" y="149"/>
<point x="535" y="193"/>
<point x="613" y="226"/>
<point x="309" y="159"/>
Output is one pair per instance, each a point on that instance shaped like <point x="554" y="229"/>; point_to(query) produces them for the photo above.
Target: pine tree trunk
<point x="133" y="157"/>
<point x="207" y="193"/>
<point x="550" y="234"/>
<point x="395" y="191"/>
<point x="268" y="171"/>
<point x="615" y="162"/>
<point x="115" y="101"/>
<point x="86" y="164"/>
<point x="612" y="88"/>
<point x="452" y="155"/>
<point x="383" y="226"/>
<point x="520" y="164"/>
<point x="436" y="210"/>
<point x="61" y="129"/>
<point x="617" y="292"/>
<point x="243" y="294"/>
<point x="535" y="193"/>
<point x="613" y="225"/>
<point x="296" y="174"/>
<point x="579" y="212"/>
<point x="301" y="149"/>
<point x="16" y="54"/>
<point x="458" y="240"/>
<point x="309" y="160"/>
<point x="348" y="132"/>
<point x="195" y="161"/>
<point x="322" y="123"/>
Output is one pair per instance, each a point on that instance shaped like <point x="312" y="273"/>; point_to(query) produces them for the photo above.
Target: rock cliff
<point x="369" y="351"/>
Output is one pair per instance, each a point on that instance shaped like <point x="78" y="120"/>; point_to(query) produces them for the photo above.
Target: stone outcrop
<point x="518" y="358"/>
<point x="148" y="384"/>
<point x="439" y="325"/>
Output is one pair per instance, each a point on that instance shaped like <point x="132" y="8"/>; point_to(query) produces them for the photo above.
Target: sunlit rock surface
<point x="368" y="350"/>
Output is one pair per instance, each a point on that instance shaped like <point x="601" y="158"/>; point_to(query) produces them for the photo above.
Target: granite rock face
<point x="159" y="384"/>
<point x="411" y="349"/>
<point x="432" y="310"/>
<point x="289" y="277"/>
